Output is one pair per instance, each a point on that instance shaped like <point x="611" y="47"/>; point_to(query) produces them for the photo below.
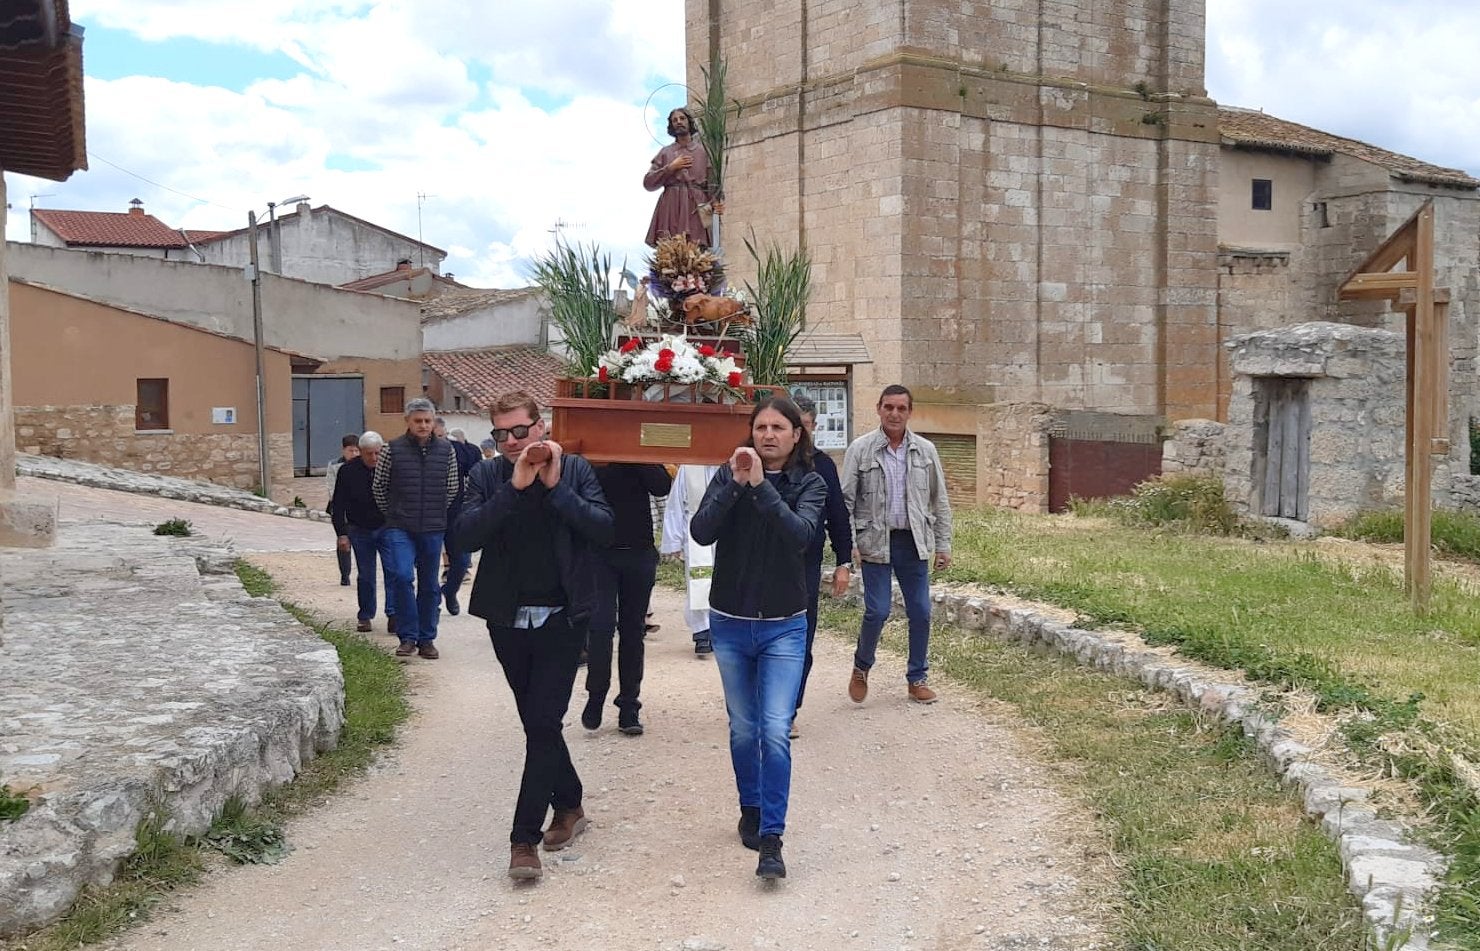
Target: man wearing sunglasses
<point x="539" y="518"/>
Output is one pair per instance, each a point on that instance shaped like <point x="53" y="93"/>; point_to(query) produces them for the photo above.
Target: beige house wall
<point x="1292" y="179"/>
<point x="76" y="390"/>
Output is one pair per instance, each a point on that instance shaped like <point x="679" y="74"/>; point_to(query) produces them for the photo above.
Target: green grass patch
<point x="1456" y="534"/>
<point x="375" y="704"/>
<point x="1289" y="617"/>
<point x="1214" y="853"/>
<point x="14" y="803"/>
<point x="178" y="527"/>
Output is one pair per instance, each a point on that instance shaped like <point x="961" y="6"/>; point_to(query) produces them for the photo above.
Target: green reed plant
<point x="577" y="280"/>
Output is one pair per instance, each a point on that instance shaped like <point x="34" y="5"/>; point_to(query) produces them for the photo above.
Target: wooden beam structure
<point x="1427" y="384"/>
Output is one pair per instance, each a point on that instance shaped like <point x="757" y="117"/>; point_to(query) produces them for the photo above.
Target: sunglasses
<point x="518" y="432"/>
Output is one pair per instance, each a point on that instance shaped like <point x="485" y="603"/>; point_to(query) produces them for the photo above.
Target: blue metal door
<point x="332" y="407"/>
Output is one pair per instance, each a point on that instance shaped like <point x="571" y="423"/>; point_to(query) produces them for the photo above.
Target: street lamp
<point x="275" y="234"/>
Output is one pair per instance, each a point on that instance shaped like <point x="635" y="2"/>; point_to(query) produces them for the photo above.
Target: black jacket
<point x="761" y="534"/>
<point x="629" y="488"/>
<point x="582" y="519"/>
<point x="467" y="456"/>
<point x="835" y="516"/>
<point x="353" y="505"/>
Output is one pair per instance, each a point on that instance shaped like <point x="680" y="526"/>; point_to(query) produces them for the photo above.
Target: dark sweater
<point x="354" y="505"/>
<point x="834" y="516"/>
<point x="628" y="488"/>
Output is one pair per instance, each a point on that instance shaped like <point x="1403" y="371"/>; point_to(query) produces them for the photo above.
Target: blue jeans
<point x="760" y="666"/>
<point x="913" y="573"/>
<point x="412" y="561"/>
<point x="458" y="563"/>
<point x="366" y="546"/>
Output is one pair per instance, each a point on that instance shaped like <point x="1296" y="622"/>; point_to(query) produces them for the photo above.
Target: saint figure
<point x="682" y="171"/>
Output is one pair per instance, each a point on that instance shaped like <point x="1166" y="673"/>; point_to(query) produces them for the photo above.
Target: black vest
<point x="418" y="489"/>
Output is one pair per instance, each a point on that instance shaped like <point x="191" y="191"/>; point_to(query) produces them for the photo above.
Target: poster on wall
<point x="832" y="412"/>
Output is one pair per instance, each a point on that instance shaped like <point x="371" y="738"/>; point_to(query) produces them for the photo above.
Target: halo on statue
<point x="654" y="119"/>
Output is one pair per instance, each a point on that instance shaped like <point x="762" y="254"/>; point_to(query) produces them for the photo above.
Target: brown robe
<point x="683" y="192"/>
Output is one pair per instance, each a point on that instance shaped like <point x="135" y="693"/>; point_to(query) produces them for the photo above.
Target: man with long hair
<point x="682" y="171"/>
<point x="761" y="512"/>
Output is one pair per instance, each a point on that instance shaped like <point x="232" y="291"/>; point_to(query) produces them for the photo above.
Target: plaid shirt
<point x="896" y="473"/>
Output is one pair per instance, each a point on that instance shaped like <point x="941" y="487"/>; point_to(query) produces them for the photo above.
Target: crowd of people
<point x="568" y="560"/>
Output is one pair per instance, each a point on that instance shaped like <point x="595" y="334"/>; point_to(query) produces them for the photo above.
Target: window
<point x="1323" y="218"/>
<point x="457" y="403"/>
<point x="152" y="407"/>
<point x="393" y="399"/>
<point x="1263" y="194"/>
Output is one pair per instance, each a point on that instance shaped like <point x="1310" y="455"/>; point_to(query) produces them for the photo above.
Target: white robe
<point x="683" y="502"/>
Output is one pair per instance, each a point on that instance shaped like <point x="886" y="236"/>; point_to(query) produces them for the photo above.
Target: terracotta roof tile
<point x="109" y="229"/>
<point x="485" y="375"/>
<point x="1255" y="129"/>
<point x="455" y="305"/>
<point x="198" y="237"/>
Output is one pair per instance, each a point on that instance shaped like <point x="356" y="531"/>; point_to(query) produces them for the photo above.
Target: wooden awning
<point x="828" y="350"/>
<point x="41" y="112"/>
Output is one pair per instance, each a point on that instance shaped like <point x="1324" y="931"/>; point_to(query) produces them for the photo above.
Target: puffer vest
<point x="418" y="489"/>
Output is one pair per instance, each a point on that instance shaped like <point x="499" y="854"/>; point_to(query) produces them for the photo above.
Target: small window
<point x="1263" y="194"/>
<point x="457" y="403"/>
<point x="152" y="408"/>
<point x="1323" y="218"/>
<point x="393" y="399"/>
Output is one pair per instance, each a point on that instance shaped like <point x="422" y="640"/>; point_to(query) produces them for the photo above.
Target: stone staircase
<point x="136" y="675"/>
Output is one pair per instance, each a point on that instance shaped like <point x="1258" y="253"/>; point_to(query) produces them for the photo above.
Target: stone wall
<point x="1012" y="449"/>
<point x="1193" y="447"/>
<point x="1464" y="492"/>
<point x="105" y="435"/>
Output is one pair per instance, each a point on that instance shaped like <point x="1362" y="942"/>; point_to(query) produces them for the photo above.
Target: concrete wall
<point x="511" y="323"/>
<point x="1239" y="224"/>
<point x="76" y="390"/>
<point x="323" y="246"/>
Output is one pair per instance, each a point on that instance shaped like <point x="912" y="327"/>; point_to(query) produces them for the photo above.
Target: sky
<point x="486" y="125"/>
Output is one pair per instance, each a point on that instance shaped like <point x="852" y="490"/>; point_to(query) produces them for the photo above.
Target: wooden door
<point x="1285" y="415"/>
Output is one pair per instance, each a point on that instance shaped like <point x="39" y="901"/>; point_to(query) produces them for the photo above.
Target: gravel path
<point x="910" y="827"/>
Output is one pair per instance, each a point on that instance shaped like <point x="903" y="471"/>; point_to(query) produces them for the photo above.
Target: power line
<point x="150" y="181"/>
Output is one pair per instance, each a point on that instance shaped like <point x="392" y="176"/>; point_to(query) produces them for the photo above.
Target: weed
<point x="246" y="838"/>
<point x="255" y="581"/>
<point x="1154" y="118"/>
<point x="1452" y="533"/>
<point x="13" y="804"/>
<point x="1143" y="89"/>
<point x="298" y="502"/>
<point x="175" y="526"/>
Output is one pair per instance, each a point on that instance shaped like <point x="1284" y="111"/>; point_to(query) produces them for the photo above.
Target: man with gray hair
<point x="359" y="524"/>
<point x="415" y="481"/>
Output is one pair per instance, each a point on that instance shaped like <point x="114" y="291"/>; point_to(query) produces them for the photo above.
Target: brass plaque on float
<point x="667" y="435"/>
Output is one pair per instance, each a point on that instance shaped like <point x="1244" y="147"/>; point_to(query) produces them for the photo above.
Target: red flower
<point x="601" y="374"/>
<point x="666" y="354"/>
<point x="631" y="344"/>
<point x="705" y="350"/>
<point x="734" y="378"/>
<point x="662" y="365"/>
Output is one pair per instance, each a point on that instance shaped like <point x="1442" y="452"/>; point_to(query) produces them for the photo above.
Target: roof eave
<point x="42" y="122"/>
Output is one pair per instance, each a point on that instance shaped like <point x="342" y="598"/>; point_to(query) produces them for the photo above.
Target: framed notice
<point x="223" y="415"/>
<point x="832" y="411"/>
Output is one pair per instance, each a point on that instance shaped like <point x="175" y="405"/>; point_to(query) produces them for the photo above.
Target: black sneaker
<point x="591" y="716"/>
<point x="703" y="644"/>
<point x="770" y="867"/>
<point x="629" y="724"/>
<point x="750" y="827"/>
<point x="453" y="608"/>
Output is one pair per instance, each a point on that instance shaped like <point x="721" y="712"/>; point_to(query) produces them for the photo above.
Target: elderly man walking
<point x="415" y="481"/>
<point x="358" y="523"/>
<point x="895" y="488"/>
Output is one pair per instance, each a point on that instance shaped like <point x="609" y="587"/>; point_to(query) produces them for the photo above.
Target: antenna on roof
<point x="421" y="198"/>
<point x="36" y="195"/>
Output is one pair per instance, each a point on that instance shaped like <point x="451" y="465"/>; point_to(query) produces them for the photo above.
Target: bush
<point x="1453" y="533"/>
<point x="1194" y="503"/>
<point x="175" y="526"/>
<point x="1474" y="446"/>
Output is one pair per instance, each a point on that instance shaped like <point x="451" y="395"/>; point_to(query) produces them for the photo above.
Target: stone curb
<point x="1390" y="875"/>
<point x="144" y="483"/>
<point x="250" y="732"/>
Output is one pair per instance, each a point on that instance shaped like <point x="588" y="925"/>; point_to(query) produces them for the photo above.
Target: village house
<point x="1040" y="222"/>
<point x="42" y="133"/>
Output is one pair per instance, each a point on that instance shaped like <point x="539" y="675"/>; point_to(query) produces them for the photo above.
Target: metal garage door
<point x="324" y="409"/>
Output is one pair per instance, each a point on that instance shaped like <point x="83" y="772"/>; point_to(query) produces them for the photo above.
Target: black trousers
<point x="540" y="665"/>
<point x="624" y="585"/>
<point x="814" y="590"/>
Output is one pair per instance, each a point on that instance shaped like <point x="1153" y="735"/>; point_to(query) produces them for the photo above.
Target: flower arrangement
<point x="678" y="267"/>
<point x="670" y="358"/>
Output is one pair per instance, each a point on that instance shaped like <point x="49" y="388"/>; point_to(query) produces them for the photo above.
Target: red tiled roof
<point x="109" y="229"/>
<point x="485" y="375"/>
<point x="200" y="237"/>
<point x="1253" y="129"/>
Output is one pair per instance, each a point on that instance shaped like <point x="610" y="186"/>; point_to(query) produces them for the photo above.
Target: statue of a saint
<point x="682" y="171"/>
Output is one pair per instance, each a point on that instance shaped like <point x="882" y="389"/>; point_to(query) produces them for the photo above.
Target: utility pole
<point x="254" y="274"/>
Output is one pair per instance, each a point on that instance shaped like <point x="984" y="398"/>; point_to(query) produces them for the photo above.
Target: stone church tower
<point x="1014" y="201"/>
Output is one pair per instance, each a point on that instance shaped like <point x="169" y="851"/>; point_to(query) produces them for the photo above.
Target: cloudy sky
<point x="511" y="117"/>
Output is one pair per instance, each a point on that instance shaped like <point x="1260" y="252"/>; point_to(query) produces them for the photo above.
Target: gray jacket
<point x="867" y="495"/>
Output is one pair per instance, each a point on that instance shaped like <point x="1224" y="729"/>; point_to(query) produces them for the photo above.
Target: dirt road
<point x="910" y="827"/>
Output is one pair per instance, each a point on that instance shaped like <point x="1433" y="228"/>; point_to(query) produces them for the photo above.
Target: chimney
<point x="302" y="208"/>
<point x="404" y="264"/>
<point x="136" y="207"/>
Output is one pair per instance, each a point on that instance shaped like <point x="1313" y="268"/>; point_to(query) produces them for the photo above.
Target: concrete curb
<point x="232" y="698"/>
<point x="1390" y="874"/>
<point x="145" y="483"/>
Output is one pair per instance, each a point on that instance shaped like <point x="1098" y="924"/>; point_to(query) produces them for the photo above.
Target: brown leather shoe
<point x="427" y="651"/>
<point x="564" y="827"/>
<point x="407" y="649"/>
<point x="858" y="685"/>
<point x="921" y="693"/>
<point x="524" y="861"/>
<point x="363" y="627"/>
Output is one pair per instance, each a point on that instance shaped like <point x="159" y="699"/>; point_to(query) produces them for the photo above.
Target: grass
<point x="176" y="526"/>
<point x="1286" y="616"/>
<point x="14" y="803"/>
<point x="374" y="705"/>
<point x="1456" y="534"/>
<point x="1214" y="853"/>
